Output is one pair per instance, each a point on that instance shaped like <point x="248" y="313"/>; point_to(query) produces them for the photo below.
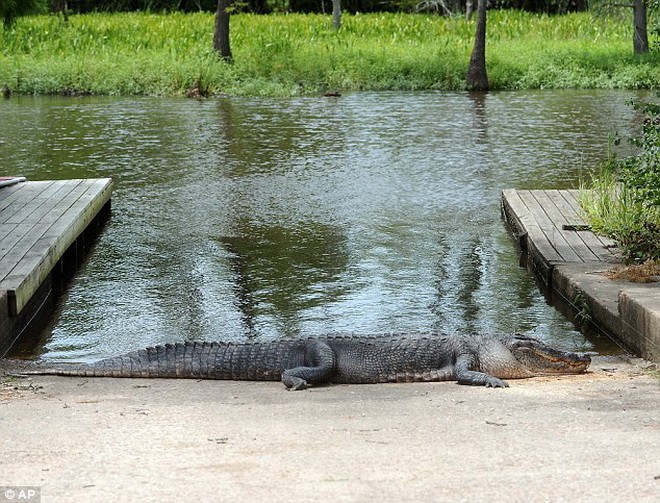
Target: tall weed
<point x="283" y="54"/>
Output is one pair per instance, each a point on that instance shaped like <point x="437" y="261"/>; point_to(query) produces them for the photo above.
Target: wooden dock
<point x="39" y="223"/>
<point x="550" y="228"/>
<point x="573" y="263"/>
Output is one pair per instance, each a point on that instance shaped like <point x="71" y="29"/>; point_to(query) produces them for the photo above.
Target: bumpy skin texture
<point x="355" y="359"/>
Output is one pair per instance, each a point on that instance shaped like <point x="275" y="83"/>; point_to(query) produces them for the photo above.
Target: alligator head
<point x="518" y="356"/>
<point x="534" y="357"/>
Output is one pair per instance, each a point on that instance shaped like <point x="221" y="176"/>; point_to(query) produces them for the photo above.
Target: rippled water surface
<point x="248" y="218"/>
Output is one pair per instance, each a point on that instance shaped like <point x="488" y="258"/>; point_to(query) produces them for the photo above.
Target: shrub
<point x="624" y="199"/>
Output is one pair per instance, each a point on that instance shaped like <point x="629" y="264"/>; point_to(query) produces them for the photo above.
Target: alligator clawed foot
<point x="294" y="383"/>
<point x="301" y="385"/>
<point x="494" y="382"/>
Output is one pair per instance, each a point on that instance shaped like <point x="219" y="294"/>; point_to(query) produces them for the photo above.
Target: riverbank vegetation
<point x="623" y="200"/>
<point x="297" y="54"/>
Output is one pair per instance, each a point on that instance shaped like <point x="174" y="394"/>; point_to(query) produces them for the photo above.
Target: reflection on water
<point x="243" y="218"/>
<point x="284" y="271"/>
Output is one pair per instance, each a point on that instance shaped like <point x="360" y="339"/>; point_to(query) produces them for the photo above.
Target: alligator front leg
<point x="320" y="364"/>
<point x="464" y="375"/>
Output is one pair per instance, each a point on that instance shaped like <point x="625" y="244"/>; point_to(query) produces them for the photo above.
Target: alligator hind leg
<point x="320" y="364"/>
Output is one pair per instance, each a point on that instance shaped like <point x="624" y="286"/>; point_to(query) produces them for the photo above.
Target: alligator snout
<point x="580" y="362"/>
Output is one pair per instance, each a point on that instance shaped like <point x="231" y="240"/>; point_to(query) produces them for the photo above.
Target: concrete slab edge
<point x="631" y="316"/>
<point x="573" y="284"/>
<point x="640" y="315"/>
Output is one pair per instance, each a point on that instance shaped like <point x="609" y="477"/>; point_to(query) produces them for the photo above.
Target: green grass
<point x="616" y="210"/>
<point x="281" y="55"/>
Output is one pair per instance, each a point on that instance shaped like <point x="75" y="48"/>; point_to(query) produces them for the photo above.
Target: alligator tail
<point x="193" y="360"/>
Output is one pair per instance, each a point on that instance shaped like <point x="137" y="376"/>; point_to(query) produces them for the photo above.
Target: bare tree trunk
<point x="640" y="36"/>
<point x="221" y="30"/>
<point x="469" y="9"/>
<point x="477" y="78"/>
<point x="336" y="14"/>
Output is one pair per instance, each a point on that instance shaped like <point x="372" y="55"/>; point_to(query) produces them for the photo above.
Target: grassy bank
<point x="301" y="54"/>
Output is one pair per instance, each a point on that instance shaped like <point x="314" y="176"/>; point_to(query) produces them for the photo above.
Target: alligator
<point x="483" y="360"/>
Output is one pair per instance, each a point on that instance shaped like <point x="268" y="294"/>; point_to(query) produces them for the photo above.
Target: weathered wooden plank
<point x="13" y="236"/>
<point x="603" y="247"/>
<point x="20" y="198"/>
<point x="43" y="203"/>
<point x="23" y="239"/>
<point x="20" y="225"/>
<point x="7" y="193"/>
<point x="514" y="208"/>
<point x="568" y="213"/>
<point x="66" y="217"/>
<point x="540" y="254"/>
<point x="551" y="199"/>
<point x="61" y="207"/>
<point x="66" y="223"/>
<point x="5" y="231"/>
<point x="566" y="203"/>
<point x="528" y="225"/>
<point x="573" y="205"/>
<point x="549" y="239"/>
<point x="541" y="214"/>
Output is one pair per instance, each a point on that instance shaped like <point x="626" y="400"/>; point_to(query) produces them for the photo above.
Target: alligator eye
<point x="526" y="343"/>
<point x="523" y="341"/>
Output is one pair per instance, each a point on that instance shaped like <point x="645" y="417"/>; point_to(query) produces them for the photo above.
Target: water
<point x="257" y="219"/>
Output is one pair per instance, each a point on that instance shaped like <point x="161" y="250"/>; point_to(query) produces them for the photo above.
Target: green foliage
<point x="583" y="314"/>
<point x="11" y="9"/>
<point x="642" y="172"/>
<point x="291" y="54"/>
<point x="623" y="201"/>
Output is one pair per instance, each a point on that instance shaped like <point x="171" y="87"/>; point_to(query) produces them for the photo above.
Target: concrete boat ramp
<point x="587" y="438"/>
<point x="43" y="229"/>
<point x="574" y="264"/>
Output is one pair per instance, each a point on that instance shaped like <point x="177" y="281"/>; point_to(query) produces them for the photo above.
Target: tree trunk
<point x="221" y="31"/>
<point x="336" y="14"/>
<point x="477" y="78"/>
<point x="640" y="36"/>
<point x="469" y="8"/>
